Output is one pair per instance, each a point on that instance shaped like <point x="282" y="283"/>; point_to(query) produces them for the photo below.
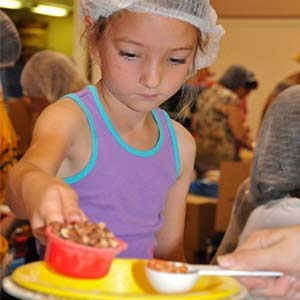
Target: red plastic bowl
<point x="76" y="260"/>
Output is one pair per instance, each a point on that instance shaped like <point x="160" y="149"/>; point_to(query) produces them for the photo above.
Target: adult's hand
<point x="270" y="249"/>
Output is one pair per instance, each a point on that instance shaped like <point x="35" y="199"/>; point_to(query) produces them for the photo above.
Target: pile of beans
<point x="167" y="266"/>
<point x="88" y="234"/>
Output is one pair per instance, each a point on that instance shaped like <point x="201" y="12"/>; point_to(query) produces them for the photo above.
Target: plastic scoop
<point x="166" y="282"/>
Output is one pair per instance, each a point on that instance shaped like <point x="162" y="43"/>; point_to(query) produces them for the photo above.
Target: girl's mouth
<point x="149" y="96"/>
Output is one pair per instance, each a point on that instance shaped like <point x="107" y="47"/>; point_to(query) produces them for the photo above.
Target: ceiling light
<point x="11" y="4"/>
<point x="50" y="10"/>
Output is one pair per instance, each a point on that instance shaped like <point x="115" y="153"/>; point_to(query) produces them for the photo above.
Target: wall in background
<point x="257" y="8"/>
<point x="79" y="48"/>
<point x="60" y="33"/>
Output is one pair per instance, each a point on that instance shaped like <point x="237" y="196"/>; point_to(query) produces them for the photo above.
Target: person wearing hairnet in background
<point x="10" y="49"/>
<point x="10" y="41"/>
<point x="275" y="175"/>
<point x="46" y="77"/>
<point x="9" y="52"/>
<point x="219" y="123"/>
<point x="274" y="193"/>
<point x="288" y="81"/>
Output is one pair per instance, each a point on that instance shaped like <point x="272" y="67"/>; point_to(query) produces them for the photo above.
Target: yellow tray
<point x="126" y="280"/>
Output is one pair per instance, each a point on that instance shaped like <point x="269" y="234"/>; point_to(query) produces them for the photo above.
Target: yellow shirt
<point x="8" y="147"/>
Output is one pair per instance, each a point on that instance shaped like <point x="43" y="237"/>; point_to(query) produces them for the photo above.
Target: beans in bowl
<point x="86" y="233"/>
<point x="167" y="266"/>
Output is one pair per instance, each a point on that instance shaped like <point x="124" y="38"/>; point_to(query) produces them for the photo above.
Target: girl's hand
<point x="54" y="201"/>
<point x="271" y="249"/>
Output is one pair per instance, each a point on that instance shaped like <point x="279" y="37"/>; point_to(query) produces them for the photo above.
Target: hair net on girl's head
<point x="237" y="76"/>
<point x="50" y="75"/>
<point x="276" y="163"/>
<point x="10" y="43"/>
<point x="196" y="12"/>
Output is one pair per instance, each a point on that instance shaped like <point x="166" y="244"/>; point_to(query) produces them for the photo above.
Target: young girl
<point x="107" y="153"/>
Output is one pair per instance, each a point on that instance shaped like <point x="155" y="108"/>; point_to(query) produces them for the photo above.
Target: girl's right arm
<point x="33" y="191"/>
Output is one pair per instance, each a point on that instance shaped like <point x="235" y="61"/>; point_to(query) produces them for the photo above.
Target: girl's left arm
<point x="170" y="236"/>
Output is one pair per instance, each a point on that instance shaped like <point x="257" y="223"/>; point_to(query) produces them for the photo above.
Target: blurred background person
<point x="202" y="79"/>
<point x="268" y="202"/>
<point x="10" y="41"/>
<point x="10" y="51"/>
<point x="270" y="197"/>
<point x="191" y="89"/>
<point x="280" y="87"/>
<point x="219" y="123"/>
<point x="274" y="182"/>
<point x="289" y="81"/>
<point x="46" y="77"/>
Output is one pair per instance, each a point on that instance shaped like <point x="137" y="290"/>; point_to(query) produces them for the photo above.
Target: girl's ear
<point x="88" y="21"/>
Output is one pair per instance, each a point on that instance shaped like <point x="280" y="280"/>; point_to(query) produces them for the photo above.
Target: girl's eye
<point x="178" y="61"/>
<point x="128" y="55"/>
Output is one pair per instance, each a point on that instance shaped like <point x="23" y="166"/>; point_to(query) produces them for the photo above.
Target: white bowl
<point x="168" y="283"/>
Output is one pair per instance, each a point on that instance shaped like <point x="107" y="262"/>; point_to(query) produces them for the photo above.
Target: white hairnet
<point x="196" y="12"/>
<point x="50" y="75"/>
<point x="10" y="43"/>
<point x="276" y="162"/>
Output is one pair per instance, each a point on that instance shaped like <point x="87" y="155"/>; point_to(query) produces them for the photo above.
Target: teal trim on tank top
<point x="84" y="172"/>
<point x="174" y="142"/>
<point x="121" y="142"/>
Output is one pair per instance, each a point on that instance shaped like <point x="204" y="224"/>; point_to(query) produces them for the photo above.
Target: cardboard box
<point x="199" y="226"/>
<point x="232" y="175"/>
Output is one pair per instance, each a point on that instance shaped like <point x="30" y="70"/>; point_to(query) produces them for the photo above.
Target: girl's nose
<point x="151" y="75"/>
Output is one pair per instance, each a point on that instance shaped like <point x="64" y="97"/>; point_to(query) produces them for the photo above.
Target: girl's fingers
<point x="40" y="220"/>
<point x="83" y="216"/>
<point x="60" y="205"/>
<point x="69" y="205"/>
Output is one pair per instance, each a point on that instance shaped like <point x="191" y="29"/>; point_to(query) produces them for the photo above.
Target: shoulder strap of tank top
<point x="174" y="141"/>
<point x="94" y="154"/>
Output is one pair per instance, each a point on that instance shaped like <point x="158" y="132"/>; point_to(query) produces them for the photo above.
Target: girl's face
<point x="145" y="58"/>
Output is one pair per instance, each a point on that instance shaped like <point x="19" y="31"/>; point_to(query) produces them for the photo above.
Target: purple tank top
<point x="124" y="187"/>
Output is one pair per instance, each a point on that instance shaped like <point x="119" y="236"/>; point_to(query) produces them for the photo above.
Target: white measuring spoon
<point x="165" y="282"/>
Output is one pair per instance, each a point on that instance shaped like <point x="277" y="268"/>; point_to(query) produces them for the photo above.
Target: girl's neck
<point x="122" y="117"/>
